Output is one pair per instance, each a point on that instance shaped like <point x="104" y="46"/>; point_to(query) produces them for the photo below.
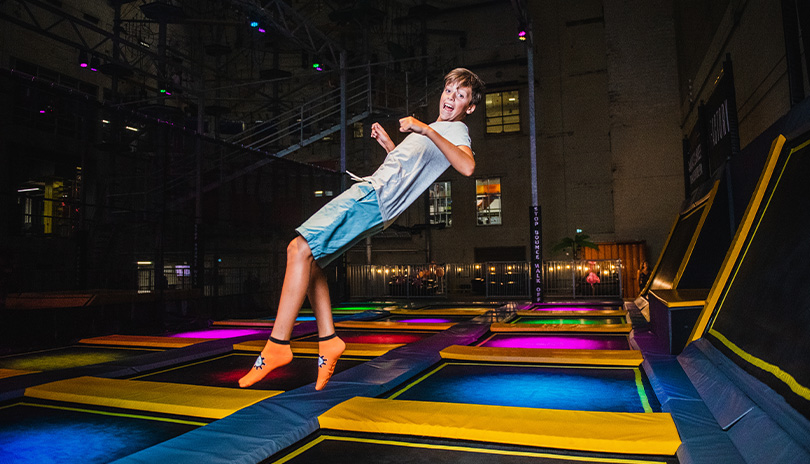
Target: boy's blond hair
<point x="466" y="78"/>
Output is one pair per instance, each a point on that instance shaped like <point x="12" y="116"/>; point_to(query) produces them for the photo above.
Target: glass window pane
<point x="440" y="203"/>
<point x="488" y="201"/>
<point x="502" y="109"/>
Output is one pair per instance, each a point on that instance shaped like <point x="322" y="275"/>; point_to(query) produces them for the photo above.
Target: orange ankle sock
<point x="276" y="353"/>
<point x="329" y="350"/>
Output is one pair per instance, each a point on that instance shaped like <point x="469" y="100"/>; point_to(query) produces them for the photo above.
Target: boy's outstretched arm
<point x="460" y="156"/>
<point x="379" y="134"/>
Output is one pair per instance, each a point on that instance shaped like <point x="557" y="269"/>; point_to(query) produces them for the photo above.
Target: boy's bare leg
<point x="277" y="352"/>
<point x="330" y="347"/>
<point x="318" y="294"/>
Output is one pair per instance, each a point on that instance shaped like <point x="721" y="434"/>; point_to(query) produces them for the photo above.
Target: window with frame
<point x="357" y="130"/>
<point x="503" y="112"/>
<point x="488" y="201"/>
<point x="441" y="202"/>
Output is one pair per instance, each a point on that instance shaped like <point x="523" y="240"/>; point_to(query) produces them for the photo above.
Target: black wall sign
<point x="722" y="130"/>
<point x="695" y="156"/>
<point x="536" y="239"/>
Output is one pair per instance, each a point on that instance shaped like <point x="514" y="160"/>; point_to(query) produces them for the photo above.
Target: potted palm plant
<point x="575" y="244"/>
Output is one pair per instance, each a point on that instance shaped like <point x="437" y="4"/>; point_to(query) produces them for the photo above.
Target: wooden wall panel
<point x="632" y="255"/>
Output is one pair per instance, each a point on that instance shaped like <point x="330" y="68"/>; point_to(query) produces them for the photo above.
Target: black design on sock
<point x="279" y="342"/>
<point x="328" y="337"/>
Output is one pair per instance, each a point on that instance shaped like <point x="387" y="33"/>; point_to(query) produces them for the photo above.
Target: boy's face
<point x="455" y="103"/>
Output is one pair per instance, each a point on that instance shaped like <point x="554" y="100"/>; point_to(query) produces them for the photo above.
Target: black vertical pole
<point x="793" y="53"/>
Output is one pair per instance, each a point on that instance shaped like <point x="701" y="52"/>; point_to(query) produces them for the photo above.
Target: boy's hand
<point x="411" y="124"/>
<point x="381" y="136"/>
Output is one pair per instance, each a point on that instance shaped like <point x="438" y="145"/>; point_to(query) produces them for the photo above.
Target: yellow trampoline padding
<point x="48" y="300"/>
<point x="167" y="398"/>
<point x="6" y="373"/>
<point x="591" y="328"/>
<point x="594" y="431"/>
<point x="629" y="358"/>
<point x="371" y="350"/>
<point x="393" y="325"/>
<point x="562" y="313"/>
<point x="441" y="312"/>
<point x="682" y="298"/>
<point x="145" y="341"/>
<point x="245" y="323"/>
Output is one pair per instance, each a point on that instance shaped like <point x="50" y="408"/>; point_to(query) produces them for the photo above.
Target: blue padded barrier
<point x="726" y="402"/>
<point x="758" y="420"/>
<point x="703" y="441"/>
<point x="257" y="432"/>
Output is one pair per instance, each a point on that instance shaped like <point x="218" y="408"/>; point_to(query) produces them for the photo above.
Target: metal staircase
<point x="298" y="127"/>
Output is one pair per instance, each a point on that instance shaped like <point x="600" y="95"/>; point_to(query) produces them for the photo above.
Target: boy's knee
<point x="298" y="249"/>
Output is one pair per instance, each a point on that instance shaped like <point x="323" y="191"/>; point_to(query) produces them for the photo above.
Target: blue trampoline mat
<point x="37" y="433"/>
<point x="614" y="389"/>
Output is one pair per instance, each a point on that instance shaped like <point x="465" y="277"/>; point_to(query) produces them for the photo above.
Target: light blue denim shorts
<point x="349" y="218"/>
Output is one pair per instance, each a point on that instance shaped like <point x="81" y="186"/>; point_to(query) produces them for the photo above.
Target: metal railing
<point x="398" y="281"/>
<point x="561" y="279"/>
<point x="583" y="279"/>
<point x="219" y="281"/>
<point x="574" y="279"/>
<point x="495" y="279"/>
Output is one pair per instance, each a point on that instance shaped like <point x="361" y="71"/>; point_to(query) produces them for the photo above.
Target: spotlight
<point x="254" y="24"/>
<point x="522" y="35"/>
<point x="83" y="62"/>
<point x="317" y="67"/>
<point x="95" y="63"/>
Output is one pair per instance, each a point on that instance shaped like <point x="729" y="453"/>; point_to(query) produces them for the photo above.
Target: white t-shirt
<point x="412" y="166"/>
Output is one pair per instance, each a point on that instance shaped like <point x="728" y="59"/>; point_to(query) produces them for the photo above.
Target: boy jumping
<point x="363" y="210"/>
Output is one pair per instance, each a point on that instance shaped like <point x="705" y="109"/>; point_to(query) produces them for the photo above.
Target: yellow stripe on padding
<point x="393" y="325"/>
<point x="591" y="328"/>
<point x="593" y="431"/>
<point x="167" y="398"/>
<point x="682" y="298"/>
<point x="772" y="369"/>
<point x="626" y="358"/>
<point x="352" y="349"/>
<point x="147" y="341"/>
<point x="6" y="373"/>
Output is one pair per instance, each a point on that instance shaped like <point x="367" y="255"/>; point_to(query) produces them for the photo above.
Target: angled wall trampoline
<point x="684" y="272"/>
<point x="740" y="391"/>
<point x="699" y="240"/>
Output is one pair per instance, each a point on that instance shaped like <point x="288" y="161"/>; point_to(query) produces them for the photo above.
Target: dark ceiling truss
<point x="288" y="22"/>
<point x="45" y="18"/>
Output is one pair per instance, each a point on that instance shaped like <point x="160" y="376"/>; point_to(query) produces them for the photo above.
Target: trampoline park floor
<point x="581" y="320"/>
<point x="39" y="430"/>
<point x="372" y="336"/>
<point x="580" y="388"/>
<point x="227" y="369"/>
<point x="426" y="319"/>
<point x="556" y="341"/>
<point x="580" y="306"/>
<point x="342" y="447"/>
<point x="69" y="357"/>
